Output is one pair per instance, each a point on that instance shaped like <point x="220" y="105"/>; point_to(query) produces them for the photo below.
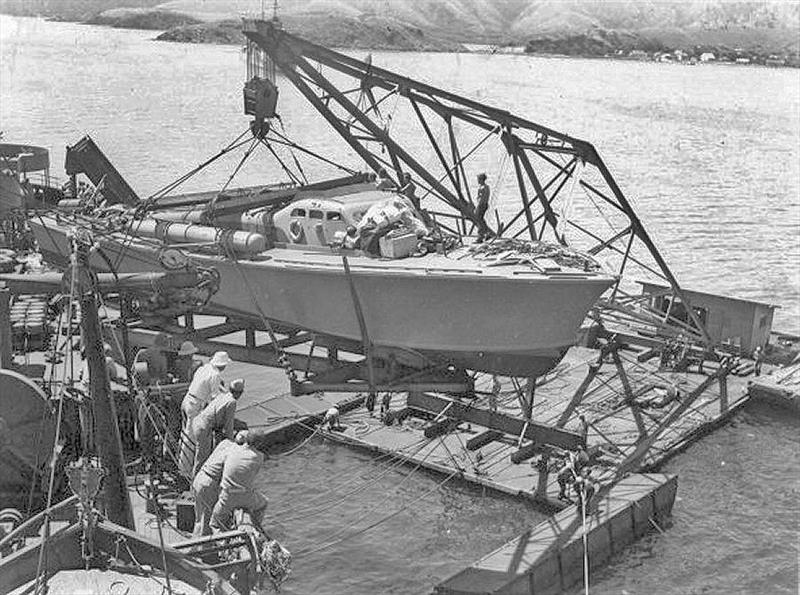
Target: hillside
<point x="354" y="32"/>
<point x="70" y="10"/>
<point x="579" y="27"/>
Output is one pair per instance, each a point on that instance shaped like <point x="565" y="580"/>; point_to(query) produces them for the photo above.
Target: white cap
<point x="220" y="358"/>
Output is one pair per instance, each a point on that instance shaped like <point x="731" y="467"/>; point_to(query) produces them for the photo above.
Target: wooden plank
<point x="647" y="354"/>
<point x="308" y="387"/>
<point x="535" y="432"/>
<point x="483" y="439"/>
<point x="524" y="453"/>
<point x="440" y="428"/>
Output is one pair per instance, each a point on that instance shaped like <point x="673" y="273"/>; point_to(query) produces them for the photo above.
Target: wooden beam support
<point x="263" y="355"/>
<point x="526" y="452"/>
<point x="307" y="387"/>
<point x="440" y="428"/>
<point x="483" y="439"/>
<point x="536" y="432"/>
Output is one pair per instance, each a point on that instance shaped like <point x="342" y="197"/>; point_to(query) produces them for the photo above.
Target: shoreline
<point x="196" y="32"/>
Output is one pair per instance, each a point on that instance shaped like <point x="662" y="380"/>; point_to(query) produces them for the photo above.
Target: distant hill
<point x="69" y="10"/>
<point x="585" y="27"/>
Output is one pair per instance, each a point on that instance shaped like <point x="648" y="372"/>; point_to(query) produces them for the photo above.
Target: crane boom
<point x="550" y="167"/>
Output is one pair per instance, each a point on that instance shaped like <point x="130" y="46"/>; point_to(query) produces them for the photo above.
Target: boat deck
<point x="458" y="262"/>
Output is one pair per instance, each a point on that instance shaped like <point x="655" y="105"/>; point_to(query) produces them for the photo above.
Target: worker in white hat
<point x="218" y="416"/>
<point x="206" y="383"/>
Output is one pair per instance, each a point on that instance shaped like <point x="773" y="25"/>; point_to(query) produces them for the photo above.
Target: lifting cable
<point x="283" y="359"/>
<point x="313" y="511"/>
<point x="375" y="524"/>
<point x="40" y="587"/>
<point x="585" y="542"/>
<point x="294" y="157"/>
<point x="284" y="140"/>
<point x="235" y="144"/>
<point x="380" y="521"/>
<point x="50" y="384"/>
<point x="159" y="194"/>
<point x="384" y="469"/>
<point x="379" y="503"/>
<point x="295" y="180"/>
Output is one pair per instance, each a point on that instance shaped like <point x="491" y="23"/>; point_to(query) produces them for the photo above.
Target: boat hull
<point x="488" y="320"/>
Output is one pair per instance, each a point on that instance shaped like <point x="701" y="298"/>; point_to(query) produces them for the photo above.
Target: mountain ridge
<point x="553" y="26"/>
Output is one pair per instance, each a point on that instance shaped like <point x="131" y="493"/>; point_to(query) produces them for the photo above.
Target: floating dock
<point x="550" y="557"/>
<point x="499" y="450"/>
<point x="780" y="388"/>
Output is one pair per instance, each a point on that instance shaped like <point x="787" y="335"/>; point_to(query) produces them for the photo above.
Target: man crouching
<point x="242" y="463"/>
<point x="206" y="486"/>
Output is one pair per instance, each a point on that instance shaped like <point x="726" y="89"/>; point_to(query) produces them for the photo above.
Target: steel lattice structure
<point x="564" y="191"/>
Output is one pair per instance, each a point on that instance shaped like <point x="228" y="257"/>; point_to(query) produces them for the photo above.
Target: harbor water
<point x="709" y="154"/>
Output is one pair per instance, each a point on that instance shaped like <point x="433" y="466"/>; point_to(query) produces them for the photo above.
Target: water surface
<point x="711" y="157"/>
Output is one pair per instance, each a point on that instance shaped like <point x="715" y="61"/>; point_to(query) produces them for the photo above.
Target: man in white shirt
<point x="206" y="383"/>
<point x="218" y="416"/>
<point x="236" y="486"/>
<point x="206" y="487"/>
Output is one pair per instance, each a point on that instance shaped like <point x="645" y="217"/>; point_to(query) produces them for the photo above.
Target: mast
<point x="107" y="439"/>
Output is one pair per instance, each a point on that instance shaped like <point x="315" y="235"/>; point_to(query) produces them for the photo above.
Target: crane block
<point x="260" y="98"/>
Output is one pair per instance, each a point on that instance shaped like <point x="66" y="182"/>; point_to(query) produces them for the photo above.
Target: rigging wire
<point x="325" y="506"/>
<point x="381" y="502"/>
<point x="383" y="468"/>
<point x="235" y="144"/>
<point x="41" y="580"/>
<point x="45" y="409"/>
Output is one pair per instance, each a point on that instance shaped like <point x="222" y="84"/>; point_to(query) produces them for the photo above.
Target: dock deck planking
<point x="612" y="423"/>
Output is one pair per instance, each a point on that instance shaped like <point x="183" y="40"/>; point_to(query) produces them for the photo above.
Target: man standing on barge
<point x="206" y="383"/>
<point x="219" y="416"/>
